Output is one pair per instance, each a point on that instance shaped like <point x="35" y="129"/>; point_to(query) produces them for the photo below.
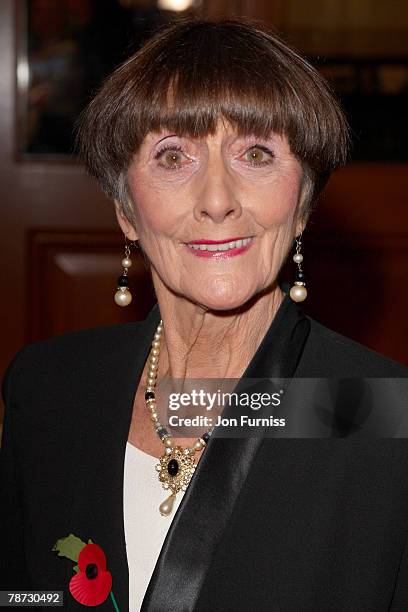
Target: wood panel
<point x="357" y="286"/>
<point x="73" y="278"/>
<point x="356" y="257"/>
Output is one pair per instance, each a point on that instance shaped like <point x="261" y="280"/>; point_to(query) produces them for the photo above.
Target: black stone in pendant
<point x="206" y="437"/>
<point x="123" y="281"/>
<point x="300" y="277"/>
<point x="149" y="395"/>
<point x="173" y="467"/>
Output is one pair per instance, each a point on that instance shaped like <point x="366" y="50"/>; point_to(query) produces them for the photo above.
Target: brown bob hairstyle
<point x="194" y="71"/>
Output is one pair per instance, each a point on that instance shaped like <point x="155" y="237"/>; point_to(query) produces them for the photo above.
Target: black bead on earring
<point x="298" y="291"/>
<point x="123" y="297"/>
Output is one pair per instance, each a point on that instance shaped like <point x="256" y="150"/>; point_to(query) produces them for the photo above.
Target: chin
<point x="224" y="301"/>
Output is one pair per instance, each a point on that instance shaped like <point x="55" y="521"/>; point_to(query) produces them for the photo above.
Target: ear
<point x="125" y="225"/>
<point x="300" y="226"/>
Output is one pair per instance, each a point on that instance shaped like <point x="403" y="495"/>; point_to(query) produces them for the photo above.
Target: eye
<point x="171" y="156"/>
<point x="258" y="155"/>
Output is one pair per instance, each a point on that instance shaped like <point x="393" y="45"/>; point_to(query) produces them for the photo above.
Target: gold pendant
<point x="175" y="469"/>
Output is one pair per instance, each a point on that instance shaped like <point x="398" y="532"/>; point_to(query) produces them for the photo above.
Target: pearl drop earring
<point x="298" y="291"/>
<point x="123" y="297"/>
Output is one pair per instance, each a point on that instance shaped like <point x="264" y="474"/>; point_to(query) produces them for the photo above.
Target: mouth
<point x="220" y="248"/>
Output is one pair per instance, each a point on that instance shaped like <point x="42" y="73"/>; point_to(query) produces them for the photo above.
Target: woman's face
<point x="215" y="216"/>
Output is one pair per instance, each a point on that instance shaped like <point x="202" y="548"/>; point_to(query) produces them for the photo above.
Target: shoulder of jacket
<point x="84" y="339"/>
<point x="44" y="358"/>
<point x="340" y="355"/>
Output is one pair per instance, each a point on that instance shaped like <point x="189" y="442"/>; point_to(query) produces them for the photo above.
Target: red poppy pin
<point x="92" y="583"/>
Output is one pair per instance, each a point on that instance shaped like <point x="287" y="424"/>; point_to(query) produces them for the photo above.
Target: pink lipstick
<point x="216" y="249"/>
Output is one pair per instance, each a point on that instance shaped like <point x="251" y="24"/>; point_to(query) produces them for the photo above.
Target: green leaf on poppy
<point x="90" y="541"/>
<point x="69" y="547"/>
<point x="76" y="568"/>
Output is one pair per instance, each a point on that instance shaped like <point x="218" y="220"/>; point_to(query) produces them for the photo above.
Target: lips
<point x="222" y="245"/>
<point x="220" y="249"/>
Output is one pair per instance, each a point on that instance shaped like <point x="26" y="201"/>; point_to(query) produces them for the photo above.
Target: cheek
<point x="277" y="205"/>
<point x="151" y="208"/>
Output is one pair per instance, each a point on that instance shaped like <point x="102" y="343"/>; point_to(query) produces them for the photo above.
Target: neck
<point x="198" y="343"/>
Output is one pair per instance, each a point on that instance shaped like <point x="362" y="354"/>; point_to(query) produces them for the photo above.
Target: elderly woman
<point x="214" y="140"/>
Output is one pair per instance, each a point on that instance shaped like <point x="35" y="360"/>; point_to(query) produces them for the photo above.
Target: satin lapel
<point x="204" y="511"/>
<point x="103" y="417"/>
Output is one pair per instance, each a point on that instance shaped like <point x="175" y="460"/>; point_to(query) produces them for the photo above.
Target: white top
<point x="145" y="527"/>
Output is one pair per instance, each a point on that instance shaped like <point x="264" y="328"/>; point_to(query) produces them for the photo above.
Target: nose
<point x="217" y="197"/>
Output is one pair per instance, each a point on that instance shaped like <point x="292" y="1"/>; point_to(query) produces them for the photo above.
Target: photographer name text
<point x="208" y="421"/>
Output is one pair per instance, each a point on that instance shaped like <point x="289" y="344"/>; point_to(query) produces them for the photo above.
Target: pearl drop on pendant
<point x="126" y="262"/>
<point x="298" y="258"/>
<point x="166" y="507"/>
<point x="298" y="293"/>
<point x="123" y="298"/>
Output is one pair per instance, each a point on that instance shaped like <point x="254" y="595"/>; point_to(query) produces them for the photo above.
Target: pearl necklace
<point x="177" y="464"/>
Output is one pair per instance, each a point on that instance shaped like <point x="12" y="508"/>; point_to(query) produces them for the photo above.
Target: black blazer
<point x="266" y="524"/>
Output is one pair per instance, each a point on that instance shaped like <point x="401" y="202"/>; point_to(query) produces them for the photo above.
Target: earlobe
<point x="300" y="227"/>
<point x="125" y="225"/>
<point x="302" y="220"/>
